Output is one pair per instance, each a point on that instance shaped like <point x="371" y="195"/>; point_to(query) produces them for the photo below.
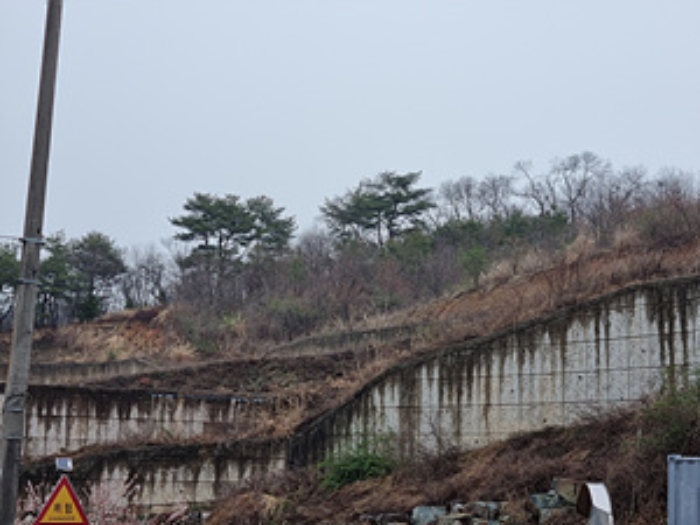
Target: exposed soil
<point x="244" y="377"/>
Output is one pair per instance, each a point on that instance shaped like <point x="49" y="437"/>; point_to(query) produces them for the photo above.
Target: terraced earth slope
<point x="312" y="375"/>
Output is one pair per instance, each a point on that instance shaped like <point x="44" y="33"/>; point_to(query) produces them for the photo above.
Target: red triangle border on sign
<point x="64" y="482"/>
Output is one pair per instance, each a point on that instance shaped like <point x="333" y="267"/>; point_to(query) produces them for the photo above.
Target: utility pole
<point x="26" y="294"/>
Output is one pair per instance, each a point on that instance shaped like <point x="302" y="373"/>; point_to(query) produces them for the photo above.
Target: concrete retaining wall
<point x="589" y="358"/>
<point x="164" y="477"/>
<point x="65" y="373"/>
<point x="63" y="419"/>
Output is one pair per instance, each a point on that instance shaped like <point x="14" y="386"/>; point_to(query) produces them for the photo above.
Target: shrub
<point x="364" y="461"/>
<point x="475" y="263"/>
<point x="670" y="424"/>
<point x="291" y="317"/>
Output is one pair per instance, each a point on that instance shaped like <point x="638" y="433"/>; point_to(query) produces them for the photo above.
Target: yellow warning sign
<point x="62" y="507"/>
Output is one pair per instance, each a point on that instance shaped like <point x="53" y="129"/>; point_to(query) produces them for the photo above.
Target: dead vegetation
<point x="607" y="448"/>
<point x="515" y="290"/>
<point x="504" y="301"/>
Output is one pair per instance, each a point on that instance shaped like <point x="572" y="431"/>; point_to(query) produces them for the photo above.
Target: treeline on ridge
<point x="236" y="267"/>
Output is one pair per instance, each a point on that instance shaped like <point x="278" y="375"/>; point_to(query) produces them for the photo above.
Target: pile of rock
<point x="472" y="513"/>
<point x="567" y="498"/>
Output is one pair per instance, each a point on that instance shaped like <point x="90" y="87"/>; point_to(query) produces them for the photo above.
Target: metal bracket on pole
<point x="37" y="282"/>
<point x="33" y="240"/>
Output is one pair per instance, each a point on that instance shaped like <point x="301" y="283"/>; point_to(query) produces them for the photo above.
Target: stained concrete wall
<point x="593" y="357"/>
<point x="63" y="419"/>
<point x="588" y="358"/>
<point x="167" y="477"/>
<point x="68" y="372"/>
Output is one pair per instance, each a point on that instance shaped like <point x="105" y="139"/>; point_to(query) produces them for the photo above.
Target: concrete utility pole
<point x="25" y="304"/>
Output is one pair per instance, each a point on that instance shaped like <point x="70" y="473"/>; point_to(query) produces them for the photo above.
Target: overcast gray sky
<point x="301" y="99"/>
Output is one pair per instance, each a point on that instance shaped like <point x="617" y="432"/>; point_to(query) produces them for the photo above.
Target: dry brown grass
<point x="596" y="450"/>
<point x="117" y="336"/>
<point x="575" y="276"/>
<point x="600" y="449"/>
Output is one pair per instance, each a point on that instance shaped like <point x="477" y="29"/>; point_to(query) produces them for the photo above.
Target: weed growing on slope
<point x="671" y="423"/>
<point x="365" y="461"/>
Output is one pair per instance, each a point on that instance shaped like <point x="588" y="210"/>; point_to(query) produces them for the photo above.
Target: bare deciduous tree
<point x="495" y="194"/>
<point x="612" y="199"/>
<point x="461" y="199"/>
<point x="540" y="190"/>
<point x="148" y="279"/>
<point x="574" y="177"/>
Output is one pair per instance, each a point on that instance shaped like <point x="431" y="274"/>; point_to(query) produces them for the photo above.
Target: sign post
<point x="62" y="506"/>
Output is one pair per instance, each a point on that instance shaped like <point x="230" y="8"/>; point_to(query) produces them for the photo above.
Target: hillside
<point x="315" y="374"/>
